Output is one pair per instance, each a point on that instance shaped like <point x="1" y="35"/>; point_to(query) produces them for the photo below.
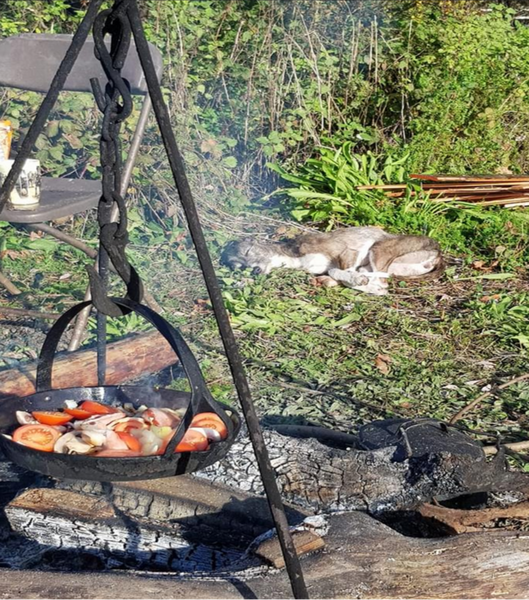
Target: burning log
<point x="127" y="359"/>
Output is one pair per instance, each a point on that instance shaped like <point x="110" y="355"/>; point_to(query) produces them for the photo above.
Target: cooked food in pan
<point x="92" y="428"/>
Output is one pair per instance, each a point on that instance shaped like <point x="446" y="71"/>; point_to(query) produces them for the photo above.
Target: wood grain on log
<point x="362" y="559"/>
<point x="318" y="477"/>
<point x="127" y="359"/>
<point x="61" y="519"/>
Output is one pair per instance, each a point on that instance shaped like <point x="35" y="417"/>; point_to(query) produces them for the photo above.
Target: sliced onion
<point x="161" y="432"/>
<point x="160" y="418"/>
<point x="150" y="443"/>
<point x="114" y="442"/>
<point x="99" y="421"/>
<point x="179" y="412"/>
<point x="212" y="434"/>
<point x="25" y="418"/>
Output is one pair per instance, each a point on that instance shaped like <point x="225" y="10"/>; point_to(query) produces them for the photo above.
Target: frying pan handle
<point x="201" y="399"/>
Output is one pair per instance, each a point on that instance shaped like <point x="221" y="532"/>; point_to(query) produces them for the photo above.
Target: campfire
<point x="362" y="512"/>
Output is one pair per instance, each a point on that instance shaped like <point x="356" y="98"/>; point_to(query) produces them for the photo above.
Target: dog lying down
<point x="362" y="258"/>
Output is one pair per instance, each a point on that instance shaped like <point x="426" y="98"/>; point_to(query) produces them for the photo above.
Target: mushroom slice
<point x="70" y="443"/>
<point x="94" y="437"/>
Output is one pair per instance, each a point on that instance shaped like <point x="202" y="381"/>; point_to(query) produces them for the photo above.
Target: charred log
<point x="322" y="478"/>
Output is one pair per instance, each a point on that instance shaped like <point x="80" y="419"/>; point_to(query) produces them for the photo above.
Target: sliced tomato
<point x="77" y="413"/>
<point x="117" y="453"/>
<point x="210" y="420"/>
<point x="50" y="417"/>
<point x="129" y="425"/>
<point x="132" y="442"/>
<point x="39" y="437"/>
<point x="96" y="408"/>
<point x="193" y="441"/>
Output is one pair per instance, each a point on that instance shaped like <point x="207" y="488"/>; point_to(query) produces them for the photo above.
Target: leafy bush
<point x="467" y="92"/>
<point x="509" y="315"/>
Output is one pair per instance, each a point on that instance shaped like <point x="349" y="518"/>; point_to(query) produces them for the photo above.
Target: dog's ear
<point x="347" y="259"/>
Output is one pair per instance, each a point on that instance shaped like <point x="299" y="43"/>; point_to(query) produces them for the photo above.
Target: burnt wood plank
<point x="66" y="520"/>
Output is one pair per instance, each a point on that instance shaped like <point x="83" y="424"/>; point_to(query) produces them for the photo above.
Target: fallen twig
<point x="514" y="446"/>
<point x="22" y="312"/>
<point x="476" y="401"/>
<point x="9" y="285"/>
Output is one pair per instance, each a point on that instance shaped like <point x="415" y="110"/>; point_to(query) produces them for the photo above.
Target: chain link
<point x="116" y="105"/>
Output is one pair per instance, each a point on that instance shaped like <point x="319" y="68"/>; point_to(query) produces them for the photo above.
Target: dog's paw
<point x="323" y="281"/>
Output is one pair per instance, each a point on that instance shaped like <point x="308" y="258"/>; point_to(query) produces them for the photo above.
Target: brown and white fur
<point x="362" y="258"/>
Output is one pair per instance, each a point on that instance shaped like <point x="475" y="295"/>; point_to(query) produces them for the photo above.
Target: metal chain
<point x="116" y="105"/>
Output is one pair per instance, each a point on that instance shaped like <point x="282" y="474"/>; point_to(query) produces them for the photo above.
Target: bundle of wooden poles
<point x="503" y="190"/>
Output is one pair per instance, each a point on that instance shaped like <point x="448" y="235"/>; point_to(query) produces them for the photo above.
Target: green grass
<point x="333" y="357"/>
<point x="321" y="366"/>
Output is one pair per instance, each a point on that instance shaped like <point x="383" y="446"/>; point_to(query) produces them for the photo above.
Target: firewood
<point x="455" y="521"/>
<point x="304" y="542"/>
<point x="127" y="359"/>
<point x="363" y="558"/>
<point x="509" y="192"/>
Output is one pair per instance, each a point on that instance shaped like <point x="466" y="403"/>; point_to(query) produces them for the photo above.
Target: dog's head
<point x="249" y="254"/>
